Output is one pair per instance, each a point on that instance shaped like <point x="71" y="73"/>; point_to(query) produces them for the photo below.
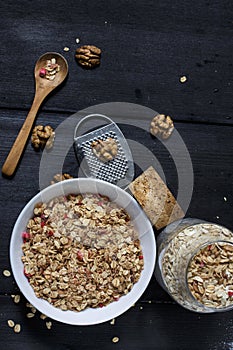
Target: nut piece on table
<point x="161" y="126"/>
<point x="61" y="177"/>
<point x="105" y="150"/>
<point x="42" y="136"/>
<point x="88" y="56"/>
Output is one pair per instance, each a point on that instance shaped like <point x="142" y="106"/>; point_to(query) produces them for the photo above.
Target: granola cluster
<point x="81" y="251"/>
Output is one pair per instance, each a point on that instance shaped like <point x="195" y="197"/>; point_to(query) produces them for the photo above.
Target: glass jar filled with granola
<point x="195" y="265"/>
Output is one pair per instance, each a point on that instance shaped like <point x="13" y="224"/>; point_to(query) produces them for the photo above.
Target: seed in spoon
<point x="50" y="70"/>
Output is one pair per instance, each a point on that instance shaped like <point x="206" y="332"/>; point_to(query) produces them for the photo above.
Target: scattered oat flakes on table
<point x="17" y="328"/>
<point x="11" y="323"/>
<point x="17" y="298"/>
<point x="183" y="79"/>
<point x="115" y="339"/>
<point x="48" y="324"/>
<point x="112" y="322"/>
<point x="6" y="273"/>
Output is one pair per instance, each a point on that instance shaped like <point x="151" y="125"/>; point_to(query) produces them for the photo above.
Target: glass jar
<point x="195" y="265"/>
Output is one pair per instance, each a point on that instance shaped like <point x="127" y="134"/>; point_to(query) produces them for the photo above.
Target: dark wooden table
<point x="147" y="46"/>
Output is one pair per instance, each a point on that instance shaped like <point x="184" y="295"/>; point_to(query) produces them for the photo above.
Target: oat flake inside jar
<point x="195" y="265"/>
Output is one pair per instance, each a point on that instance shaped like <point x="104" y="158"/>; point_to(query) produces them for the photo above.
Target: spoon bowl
<point x="43" y="87"/>
<point x="43" y="83"/>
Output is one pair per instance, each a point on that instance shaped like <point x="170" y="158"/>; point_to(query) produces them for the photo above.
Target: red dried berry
<point x="28" y="275"/>
<point x="101" y="305"/>
<point x="50" y="233"/>
<point x="42" y="224"/>
<point x="140" y="257"/>
<point x="80" y="255"/>
<point x="230" y="293"/>
<point x="26" y="236"/>
<point x="42" y="72"/>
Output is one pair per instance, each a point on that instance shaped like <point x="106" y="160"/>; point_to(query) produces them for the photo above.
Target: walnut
<point x="88" y="56"/>
<point x="42" y="136"/>
<point x="105" y="150"/>
<point x="61" y="177"/>
<point x="161" y="126"/>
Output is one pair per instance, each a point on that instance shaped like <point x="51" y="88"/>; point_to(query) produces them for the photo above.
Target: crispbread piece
<point x="156" y="199"/>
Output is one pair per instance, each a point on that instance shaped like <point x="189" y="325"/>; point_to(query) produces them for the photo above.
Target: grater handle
<point x="89" y="116"/>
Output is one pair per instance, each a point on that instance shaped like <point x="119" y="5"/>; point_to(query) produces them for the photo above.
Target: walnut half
<point x="161" y="126"/>
<point x="42" y="136"/>
<point x="105" y="150"/>
<point x="88" y="56"/>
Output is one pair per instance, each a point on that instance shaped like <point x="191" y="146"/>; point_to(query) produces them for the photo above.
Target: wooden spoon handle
<point x="16" y="151"/>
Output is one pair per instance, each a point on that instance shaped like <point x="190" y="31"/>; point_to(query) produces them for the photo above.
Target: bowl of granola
<point x="82" y="251"/>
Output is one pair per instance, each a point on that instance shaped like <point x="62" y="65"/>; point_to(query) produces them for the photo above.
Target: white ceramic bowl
<point x="88" y="316"/>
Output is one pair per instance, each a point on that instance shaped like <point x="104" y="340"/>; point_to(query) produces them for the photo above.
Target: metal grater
<point x="119" y="170"/>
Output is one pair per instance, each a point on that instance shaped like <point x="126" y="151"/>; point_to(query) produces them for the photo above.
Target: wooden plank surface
<point x="147" y="46"/>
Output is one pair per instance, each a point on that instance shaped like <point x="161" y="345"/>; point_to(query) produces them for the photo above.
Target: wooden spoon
<point x="43" y="88"/>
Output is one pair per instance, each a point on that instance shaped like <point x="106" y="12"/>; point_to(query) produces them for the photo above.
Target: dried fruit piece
<point x="161" y="126"/>
<point x="88" y="56"/>
<point x="42" y="72"/>
<point x="112" y="322"/>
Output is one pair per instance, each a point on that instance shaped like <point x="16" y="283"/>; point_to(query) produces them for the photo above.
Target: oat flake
<point x="183" y="79"/>
<point x="49" y="324"/>
<point x="16" y="298"/>
<point x="17" y="328"/>
<point x="6" y="273"/>
<point x="115" y="339"/>
<point x="11" y="323"/>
